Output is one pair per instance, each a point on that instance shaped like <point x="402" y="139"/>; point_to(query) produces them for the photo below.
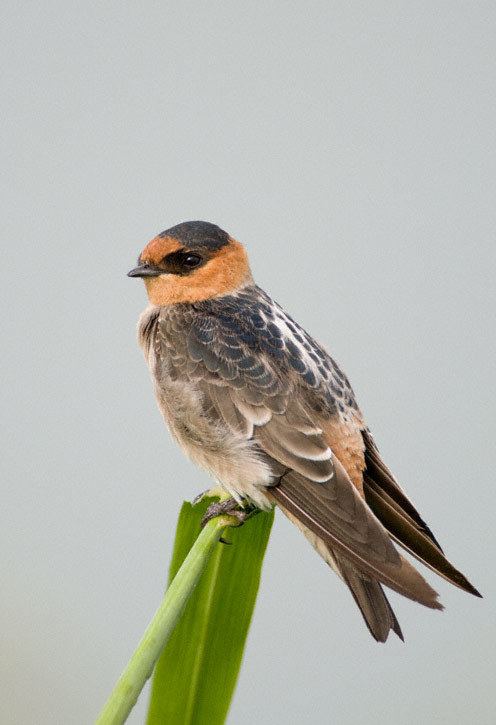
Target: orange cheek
<point x="221" y="275"/>
<point x="171" y="289"/>
<point x="160" y="290"/>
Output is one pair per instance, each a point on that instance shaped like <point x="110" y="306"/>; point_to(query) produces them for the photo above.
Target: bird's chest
<point x="180" y="396"/>
<point x="180" y="399"/>
<point x="184" y="398"/>
<point x="181" y="404"/>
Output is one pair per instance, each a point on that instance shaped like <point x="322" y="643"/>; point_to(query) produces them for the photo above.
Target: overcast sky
<point x="351" y="147"/>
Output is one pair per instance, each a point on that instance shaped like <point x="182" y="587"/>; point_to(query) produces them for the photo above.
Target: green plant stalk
<point x="140" y="666"/>
<point x="195" y="677"/>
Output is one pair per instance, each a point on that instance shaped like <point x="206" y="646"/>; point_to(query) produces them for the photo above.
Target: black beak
<point x="145" y="270"/>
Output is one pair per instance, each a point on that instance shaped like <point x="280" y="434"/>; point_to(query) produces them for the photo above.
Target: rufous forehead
<point x="156" y="250"/>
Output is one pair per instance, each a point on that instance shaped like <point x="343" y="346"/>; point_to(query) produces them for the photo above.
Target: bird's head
<point x="190" y="262"/>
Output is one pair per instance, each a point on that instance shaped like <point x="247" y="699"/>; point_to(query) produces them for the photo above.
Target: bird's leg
<point x="229" y="507"/>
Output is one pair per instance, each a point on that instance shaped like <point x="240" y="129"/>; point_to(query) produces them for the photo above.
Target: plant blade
<point x="196" y="674"/>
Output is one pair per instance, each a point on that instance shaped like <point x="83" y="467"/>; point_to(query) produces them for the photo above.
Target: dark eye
<point x="181" y="262"/>
<point x="191" y="260"/>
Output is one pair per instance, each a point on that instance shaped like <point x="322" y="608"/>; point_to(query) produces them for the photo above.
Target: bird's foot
<point x="229" y="507"/>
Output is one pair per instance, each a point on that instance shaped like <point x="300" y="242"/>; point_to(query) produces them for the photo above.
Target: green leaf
<point x="194" y="679"/>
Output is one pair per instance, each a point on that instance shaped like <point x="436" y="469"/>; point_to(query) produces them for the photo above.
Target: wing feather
<point x="401" y="519"/>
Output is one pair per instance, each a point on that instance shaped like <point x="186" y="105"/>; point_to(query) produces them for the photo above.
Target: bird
<point x="259" y="404"/>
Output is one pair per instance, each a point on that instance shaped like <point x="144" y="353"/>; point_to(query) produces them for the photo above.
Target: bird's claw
<point x="214" y="492"/>
<point x="200" y="496"/>
<point x="228" y="507"/>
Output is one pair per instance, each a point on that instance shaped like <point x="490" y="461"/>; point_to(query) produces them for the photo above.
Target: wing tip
<point x="461" y="581"/>
<point x="437" y="605"/>
<point x="399" y="633"/>
<point x="472" y="590"/>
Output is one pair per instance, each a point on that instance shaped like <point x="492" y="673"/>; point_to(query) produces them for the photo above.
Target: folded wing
<point x="264" y="379"/>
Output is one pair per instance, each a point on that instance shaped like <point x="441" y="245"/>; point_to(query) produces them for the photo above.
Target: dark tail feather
<point x="373" y="604"/>
<point x="379" y="472"/>
<point x="398" y="515"/>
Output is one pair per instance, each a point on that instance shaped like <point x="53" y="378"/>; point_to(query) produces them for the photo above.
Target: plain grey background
<point x="351" y="146"/>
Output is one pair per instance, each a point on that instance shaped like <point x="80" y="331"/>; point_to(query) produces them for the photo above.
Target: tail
<point x="348" y="536"/>
<point x="373" y="604"/>
<point x="367" y="593"/>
